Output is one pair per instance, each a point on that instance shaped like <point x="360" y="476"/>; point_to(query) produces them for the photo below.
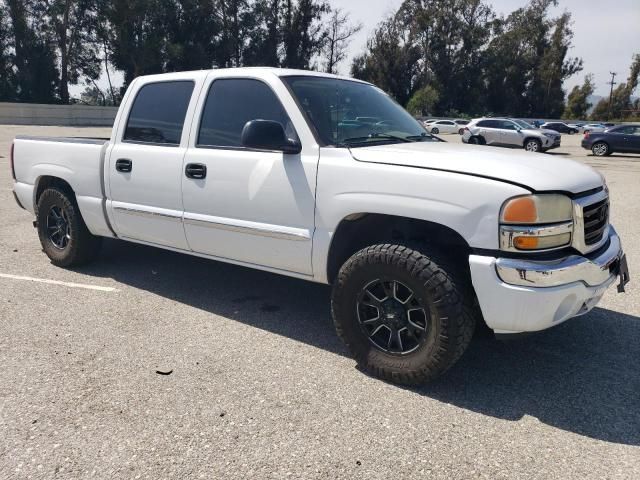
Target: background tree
<point x="93" y="95"/>
<point x="546" y="95"/>
<point x="7" y="77"/>
<point x="303" y="32"/>
<point x="236" y="18"/>
<point x="621" y="103"/>
<point x="578" y="100"/>
<point x="71" y="25"/>
<point x="338" y="37"/>
<point x="527" y="62"/>
<point x="266" y="37"/>
<point x="33" y="57"/>
<point x="390" y="61"/>
<point x="423" y="101"/>
<point x="449" y="36"/>
<point x="139" y="35"/>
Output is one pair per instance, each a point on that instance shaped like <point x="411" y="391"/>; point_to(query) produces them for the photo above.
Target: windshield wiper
<point x="383" y="136"/>
<point x="422" y="136"/>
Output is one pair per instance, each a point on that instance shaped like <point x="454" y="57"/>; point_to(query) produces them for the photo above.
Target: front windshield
<point x="347" y="113"/>
<point x="523" y="124"/>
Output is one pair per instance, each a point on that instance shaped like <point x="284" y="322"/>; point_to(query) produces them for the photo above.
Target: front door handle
<point x="197" y="171"/>
<point x="124" y="165"/>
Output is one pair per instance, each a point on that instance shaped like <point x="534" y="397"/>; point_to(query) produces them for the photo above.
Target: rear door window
<point x="158" y="113"/>
<point x="489" y="124"/>
<point x="627" y="130"/>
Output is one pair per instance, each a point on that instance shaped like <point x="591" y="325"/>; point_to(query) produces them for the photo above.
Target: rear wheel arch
<point x="606" y="144"/>
<point x="50" y="181"/>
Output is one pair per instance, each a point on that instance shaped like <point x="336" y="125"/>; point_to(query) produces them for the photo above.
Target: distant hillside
<point x="593" y="100"/>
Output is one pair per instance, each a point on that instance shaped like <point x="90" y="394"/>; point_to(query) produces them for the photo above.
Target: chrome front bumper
<point x="590" y="270"/>
<point x="517" y="295"/>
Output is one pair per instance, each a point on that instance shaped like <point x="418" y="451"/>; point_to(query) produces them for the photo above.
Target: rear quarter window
<point x="158" y="113"/>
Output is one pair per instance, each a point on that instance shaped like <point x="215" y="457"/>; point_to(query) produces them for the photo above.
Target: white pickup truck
<point x="328" y="179"/>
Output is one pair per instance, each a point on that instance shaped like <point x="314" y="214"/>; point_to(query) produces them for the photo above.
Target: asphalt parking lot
<point x="262" y="388"/>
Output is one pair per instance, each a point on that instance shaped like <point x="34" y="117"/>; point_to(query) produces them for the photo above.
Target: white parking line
<point x="57" y="282"/>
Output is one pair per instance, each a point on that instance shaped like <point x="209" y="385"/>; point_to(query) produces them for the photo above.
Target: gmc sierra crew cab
<point x="328" y="179"/>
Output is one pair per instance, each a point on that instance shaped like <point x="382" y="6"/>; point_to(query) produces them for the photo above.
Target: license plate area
<point x="621" y="268"/>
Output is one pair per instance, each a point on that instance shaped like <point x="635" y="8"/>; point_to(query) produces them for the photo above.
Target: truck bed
<point x="43" y="138"/>
<point x="79" y="161"/>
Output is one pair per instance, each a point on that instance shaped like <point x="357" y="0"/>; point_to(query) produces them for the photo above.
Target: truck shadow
<point x="582" y="377"/>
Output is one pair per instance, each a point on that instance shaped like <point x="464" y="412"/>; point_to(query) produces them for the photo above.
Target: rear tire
<point x="63" y="234"/>
<point x="600" y="149"/>
<point x="388" y="292"/>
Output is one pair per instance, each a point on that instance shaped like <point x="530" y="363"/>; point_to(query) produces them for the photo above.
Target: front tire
<point x="405" y="317"/>
<point x="533" y="145"/>
<point x="63" y="234"/>
<point x="435" y="131"/>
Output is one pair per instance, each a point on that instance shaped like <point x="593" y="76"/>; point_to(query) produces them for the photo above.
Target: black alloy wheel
<point x="58" y="227"/>
<point x="392" y="317"/>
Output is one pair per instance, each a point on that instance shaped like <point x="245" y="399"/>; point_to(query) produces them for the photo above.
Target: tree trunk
<point x="64" y="54"/>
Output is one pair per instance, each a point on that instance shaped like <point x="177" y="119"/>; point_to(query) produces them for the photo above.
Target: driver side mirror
<point x="268" y="135"/>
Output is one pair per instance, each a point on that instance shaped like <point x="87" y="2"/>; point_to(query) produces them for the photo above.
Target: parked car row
<point x="445" y="126"/>
<point x="442" y="126"/>
<point x="509" y="132"/>
<point x="601" y="138"/>
<point x="621" y="139"/>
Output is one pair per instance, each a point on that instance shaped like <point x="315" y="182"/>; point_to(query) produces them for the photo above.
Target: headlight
<point x="536" y="209"/>
<point x="536" y="222"/>
<point x="549" y="135"/>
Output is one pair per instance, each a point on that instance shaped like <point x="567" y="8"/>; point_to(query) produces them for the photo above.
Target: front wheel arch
<point x="532" y="139"/>
<point x="359" y="230"/>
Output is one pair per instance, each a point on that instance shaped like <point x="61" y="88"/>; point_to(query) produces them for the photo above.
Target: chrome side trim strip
<point x="147" y="213"/>
<point x="574" y="268"/>
<point x="261" y="231"/>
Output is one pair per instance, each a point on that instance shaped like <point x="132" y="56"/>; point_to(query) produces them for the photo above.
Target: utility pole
<point x="612" y="83"/>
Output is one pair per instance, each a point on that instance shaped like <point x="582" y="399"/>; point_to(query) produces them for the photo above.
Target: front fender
<point x="468" y="205"/>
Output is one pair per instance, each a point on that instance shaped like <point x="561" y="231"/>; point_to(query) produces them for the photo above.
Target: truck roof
<point x="252" y="71"/>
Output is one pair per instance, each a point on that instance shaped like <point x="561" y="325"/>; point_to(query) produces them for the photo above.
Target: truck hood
<point x="537" y="171"/>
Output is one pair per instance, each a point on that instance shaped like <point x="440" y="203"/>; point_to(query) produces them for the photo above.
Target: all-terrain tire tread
<point x="449" y="289"/>
<point x="83" y="246"/>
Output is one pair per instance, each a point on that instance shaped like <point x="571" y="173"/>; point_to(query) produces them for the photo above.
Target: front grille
<point x="596" y="219"/>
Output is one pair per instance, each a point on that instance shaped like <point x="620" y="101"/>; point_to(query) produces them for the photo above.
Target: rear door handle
<point x="197" y="171"/>
<point x="124" y="165"/>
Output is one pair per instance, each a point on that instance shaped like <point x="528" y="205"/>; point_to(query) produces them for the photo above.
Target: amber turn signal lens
<point x="525" y="243"/>
<point x="520" y="210"/>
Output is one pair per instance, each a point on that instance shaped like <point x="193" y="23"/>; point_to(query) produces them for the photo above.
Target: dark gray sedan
<point x="621" y="139"/>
